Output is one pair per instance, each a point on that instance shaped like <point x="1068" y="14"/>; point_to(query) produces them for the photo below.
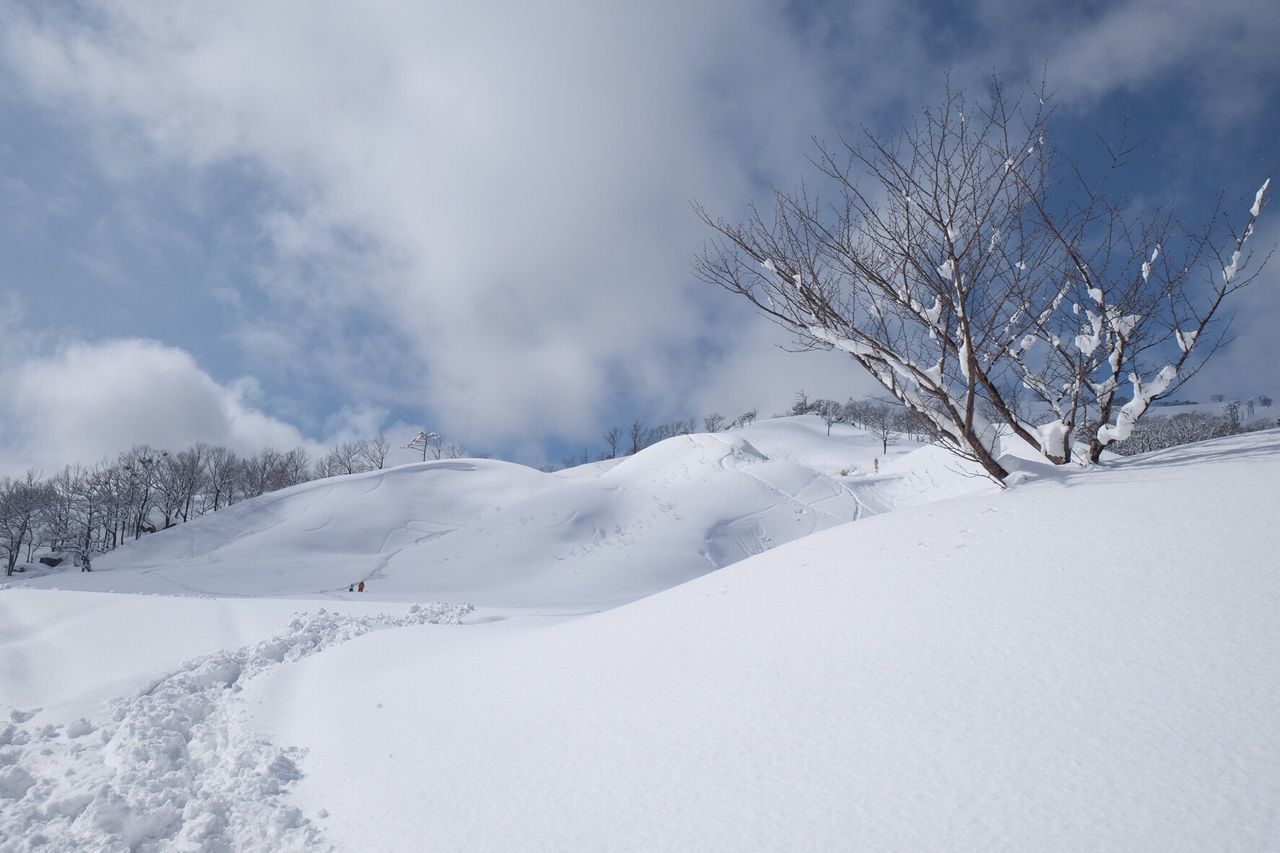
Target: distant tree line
<point x="881" y="419"/>
<point x="640" y="434"/>
<point x="89" y="510"/>
<point x="1157" y="432"/>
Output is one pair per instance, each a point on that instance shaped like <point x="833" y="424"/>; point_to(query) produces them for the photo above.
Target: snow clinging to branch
<point x="1259" y="198"/>
<point x="1086" y="342"/>
<point x="1230" y="270"/>
<point x="929" y="315"/>
<point x="1124" y="324"/>
<point x="1134" y="409"/>
<point x="1022" y="346"/>
<point x="1146" y="265"/>
<point x="942" y="347"/>
<point x="1052" y="437"/>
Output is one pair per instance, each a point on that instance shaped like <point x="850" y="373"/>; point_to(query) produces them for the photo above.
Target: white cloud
<point x="483" y="208"/>
<point x="506" y="190"/>
<point x="91" y="400"/>
<point x="1223" y="45"/>
<point x="760" y="369"/>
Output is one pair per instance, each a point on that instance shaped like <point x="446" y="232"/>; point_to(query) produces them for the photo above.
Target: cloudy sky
<point x="285" y="223"/>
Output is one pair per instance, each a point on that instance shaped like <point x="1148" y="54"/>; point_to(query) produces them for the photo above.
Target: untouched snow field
<point x="494" y="533"/>
<point x="1085" y="661"/>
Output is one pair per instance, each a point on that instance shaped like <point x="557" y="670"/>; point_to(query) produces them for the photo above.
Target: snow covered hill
<point x="495" y="533"/>
<point x="1085" y="661"/>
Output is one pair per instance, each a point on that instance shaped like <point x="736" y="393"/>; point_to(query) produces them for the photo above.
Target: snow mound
<point x="500" y="534"/>
<point x="967" y="675"/>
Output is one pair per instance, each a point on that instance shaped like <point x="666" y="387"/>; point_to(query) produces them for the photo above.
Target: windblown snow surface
<point x="1088" y="660"/>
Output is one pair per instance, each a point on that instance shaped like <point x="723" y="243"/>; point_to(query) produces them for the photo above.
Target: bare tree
<point x="258" y="472"/>
<point x="21" y="505"/>
<point x="830" y="411"/>
<point x="141" y="468"/>
<point x="912" y="424"/>
<point x="962" y="260"/>
<point x="880" y="421"/>
<point x="374" y="452"/>
<point x="801" y="406"/>
<point x="426" y="441"/>
<point x="179" y="479"/>
<point x="60" y="510"/>
<point x="637" y="433"/>
<point x="346" y="457"/>
<point x="855" y="412"/>
<point x="93" y="512"/>
<point x="434" y="446"/>
<point x="291" y="469"/>
<point x="220" y="470"/>
<point x="113" y="489"/>
<point x="713" y="422"/>
<point x="612" y="438"/>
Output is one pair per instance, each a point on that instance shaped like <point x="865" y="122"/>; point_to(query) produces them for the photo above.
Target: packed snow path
<point x="170" y="767"/>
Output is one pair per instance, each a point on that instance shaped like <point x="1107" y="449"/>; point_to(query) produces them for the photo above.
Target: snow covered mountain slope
<point x="495" y="533"/>
<point x="1090" y="662"/>
<point x="1085" y="661"/>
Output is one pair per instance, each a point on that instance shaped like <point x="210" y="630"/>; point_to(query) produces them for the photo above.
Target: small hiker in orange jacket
<point x="360" y="587"/>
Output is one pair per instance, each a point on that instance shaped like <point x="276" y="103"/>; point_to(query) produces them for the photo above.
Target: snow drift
<point x="496" y="533"/>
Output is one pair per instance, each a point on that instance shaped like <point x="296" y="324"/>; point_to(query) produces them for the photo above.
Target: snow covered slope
<point x="1086" y="661"/>
<point x="495" y="533"/>
<point x="981" y="674"/>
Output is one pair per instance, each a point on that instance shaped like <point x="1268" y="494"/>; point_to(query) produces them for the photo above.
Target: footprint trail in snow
<point x="170" y="768"/>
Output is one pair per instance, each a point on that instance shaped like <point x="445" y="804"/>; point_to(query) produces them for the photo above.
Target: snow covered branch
<point x="958" y="269"/>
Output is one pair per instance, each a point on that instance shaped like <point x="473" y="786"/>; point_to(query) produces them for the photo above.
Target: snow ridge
<point x="170" y="768"/>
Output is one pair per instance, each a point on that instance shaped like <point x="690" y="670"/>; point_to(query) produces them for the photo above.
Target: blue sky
<point x="295" y="222"/>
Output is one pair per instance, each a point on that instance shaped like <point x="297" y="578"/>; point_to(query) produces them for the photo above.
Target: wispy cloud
<point x="506" y="193"/>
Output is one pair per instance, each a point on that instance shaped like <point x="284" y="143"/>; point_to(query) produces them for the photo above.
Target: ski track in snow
<point x="171" y="767"/>
<point x="733" y="462"/>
